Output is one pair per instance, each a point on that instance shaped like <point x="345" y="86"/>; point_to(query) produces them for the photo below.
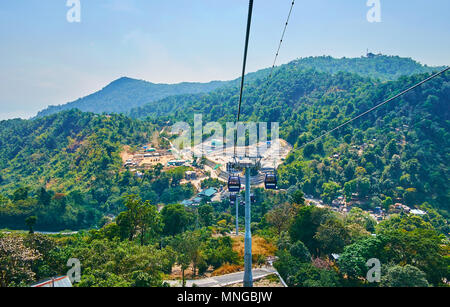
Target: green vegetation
<point x="65" y="171"/>
<point x="379" y="66"/>
<point x="123" y="94"/>
<point x="139" y="249"/>
<point x="416" y="256"/>
<point x="398" y="152"/>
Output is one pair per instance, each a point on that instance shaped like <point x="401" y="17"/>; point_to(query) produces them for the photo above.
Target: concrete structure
<point x="176" y="163"/>
<point x="418" y="212"/>
<point x="56" y="282"/>
<point x="225" y="280"/>
<point x="190" y="175"/>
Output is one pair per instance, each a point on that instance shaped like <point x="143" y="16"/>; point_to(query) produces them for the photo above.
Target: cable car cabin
<point x="271" y="182"/>
<point x="234" y="184"/>
<point x="252" y="198"/>
<point x="233" y="197"/>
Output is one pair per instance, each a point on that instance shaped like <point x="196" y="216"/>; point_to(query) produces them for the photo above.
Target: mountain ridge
<point x="397" y="153"/>
<point x="125" y="94"/>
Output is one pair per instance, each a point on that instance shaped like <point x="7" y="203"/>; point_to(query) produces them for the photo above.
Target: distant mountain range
<point x="125" y="94"/>
<point x="397" y="154"/>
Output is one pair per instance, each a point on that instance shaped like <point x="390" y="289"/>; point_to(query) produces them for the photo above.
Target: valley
<point x="120" y="184"/>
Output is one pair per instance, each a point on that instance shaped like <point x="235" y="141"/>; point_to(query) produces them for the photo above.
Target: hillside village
<point x="212" y="166"/>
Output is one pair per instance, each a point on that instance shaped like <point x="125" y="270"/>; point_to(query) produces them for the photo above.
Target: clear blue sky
<point x="45" y="60"/>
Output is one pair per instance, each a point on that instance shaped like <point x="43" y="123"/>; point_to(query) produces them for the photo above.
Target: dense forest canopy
<point x="380" y="66"/>
<point x="397" y="154"/>
<point x="65" y="171"/>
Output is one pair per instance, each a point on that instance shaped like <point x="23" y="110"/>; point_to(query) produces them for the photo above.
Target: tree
<point x="352" y="261"/>
<point x="363" y="186"/>
<point x="387" y="203"/>
<point x="194" y="249"/>
<point x="400" y="240"/>
<point x="21" y="194"/>
<point x="410" y="196"/>
<point x="349" y="170"/>
<point x="422" y="248"/>
<point x="143" y="279"/>
<point x="357" y="232"/>
<point x="308" y="150"/>
<point x="330" y="191"/>
<point x="332" y="236"/>
<point x="305" y="225"/>
<point x="405" y="222"/>
<point x="114" y="263"/>
<point x="300" y="252"/>
<point x="44" y="197"/>
<point x="182" y="246"/>
<point x="150" y="221"/>
<point x="126" y="225"/>
<point x="31" y="221"/>
<point x="298" y="197"/>
<point x="404" y="276"/>
<point x="358" y="216"/>
<point x="281" y="217"/>
<point x="350" y="187"/>
<point x="434" y="218"/>
<point x="391" y="149"/>
<point x="360" y="171"/>
<point x="129" y="220"/>
<point x="311" y="276"/>
<point x="206" y="215"/>
<point x="175" y="219"/>
<point x="141" y="216"/>
<point x="284" y="241"/>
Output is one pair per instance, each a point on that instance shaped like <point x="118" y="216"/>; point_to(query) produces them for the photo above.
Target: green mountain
<point x="380" y="68"/>
<point x="66" y="168"/>
<point x="396" y="154"/>
<point x="125" y="93"/>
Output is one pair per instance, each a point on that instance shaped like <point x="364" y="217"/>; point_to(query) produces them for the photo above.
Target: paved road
<point x="225" y="280"/>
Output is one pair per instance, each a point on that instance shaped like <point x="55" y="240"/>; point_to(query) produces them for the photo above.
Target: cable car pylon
<point x="251" y="163"/>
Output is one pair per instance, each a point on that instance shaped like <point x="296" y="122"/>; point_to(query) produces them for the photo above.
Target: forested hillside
<point x="397" y="154"/>
<point x="68" y="164"/>
<point x="380" y="68"/>
<point x="126" y="93"/>
<point x="66" y="170"/>
<point x="376" y="66"/>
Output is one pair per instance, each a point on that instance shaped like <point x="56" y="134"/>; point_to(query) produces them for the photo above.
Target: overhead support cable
<point x="282" y="38"/>
<point x="247" y="38"/>
<point x="278" y="51"/>
<point x="377" y="106"/>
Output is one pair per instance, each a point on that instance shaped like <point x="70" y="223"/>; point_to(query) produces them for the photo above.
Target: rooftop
<point x="208" y="192"/>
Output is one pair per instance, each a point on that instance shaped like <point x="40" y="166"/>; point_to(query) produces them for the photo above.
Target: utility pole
<point x="248" y="276"/>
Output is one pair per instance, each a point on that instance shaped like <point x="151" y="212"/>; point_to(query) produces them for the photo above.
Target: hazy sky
<point x="46" y="60"/>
